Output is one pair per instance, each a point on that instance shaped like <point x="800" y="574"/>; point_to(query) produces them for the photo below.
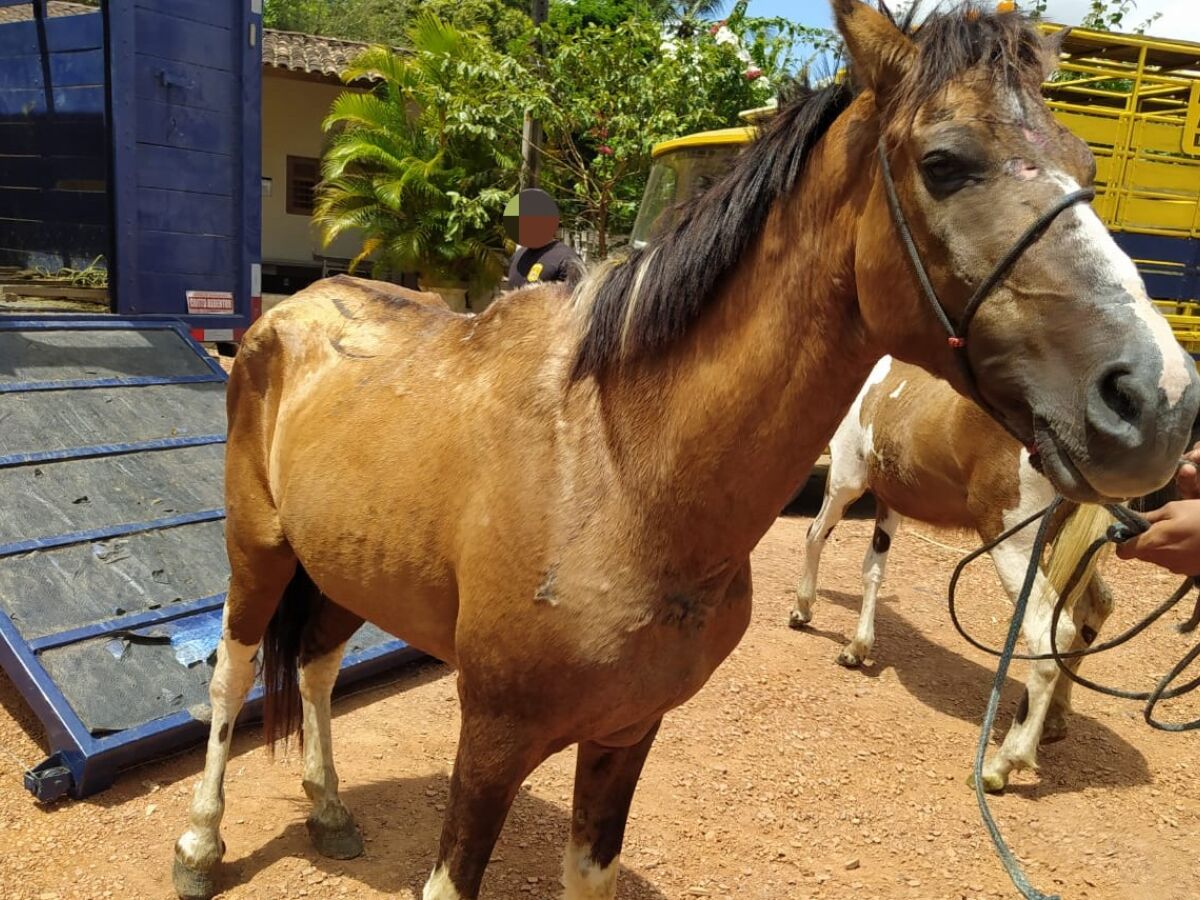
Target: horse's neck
<point x="718" y="433"/>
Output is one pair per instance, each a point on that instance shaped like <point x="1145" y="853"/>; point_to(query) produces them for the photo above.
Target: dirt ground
<point x="787" y="777"/>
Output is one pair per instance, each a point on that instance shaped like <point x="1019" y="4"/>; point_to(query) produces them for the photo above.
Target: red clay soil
<point x="787" y="777"/>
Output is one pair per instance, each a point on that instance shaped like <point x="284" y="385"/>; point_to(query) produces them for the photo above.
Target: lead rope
<point x="1007" y="858"/>
<point x="1128" y="525"/>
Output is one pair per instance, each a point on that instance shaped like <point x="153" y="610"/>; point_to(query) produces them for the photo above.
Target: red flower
<point x="716" y="26"/>
<point x="753" y="72"/>
<point x="604" y="150"/>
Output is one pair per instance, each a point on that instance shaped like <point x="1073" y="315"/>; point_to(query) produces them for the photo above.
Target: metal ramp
<point x="112" y="553"/>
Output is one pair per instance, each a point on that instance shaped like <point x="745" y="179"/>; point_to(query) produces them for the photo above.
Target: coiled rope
<point x="1128" y="525"/>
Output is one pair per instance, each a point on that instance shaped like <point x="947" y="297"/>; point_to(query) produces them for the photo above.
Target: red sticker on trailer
<point x="210" y="303"/>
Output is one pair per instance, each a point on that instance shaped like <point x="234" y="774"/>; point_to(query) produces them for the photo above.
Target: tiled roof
<point x="310" y="54"/>
<point x="23" y="12"/>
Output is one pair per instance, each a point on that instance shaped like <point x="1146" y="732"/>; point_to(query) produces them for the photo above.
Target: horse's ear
<point x="1052" y="45"/>
<point x="880" y="52"/>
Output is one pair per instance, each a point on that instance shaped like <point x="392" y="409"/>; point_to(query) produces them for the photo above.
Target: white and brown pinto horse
<point x="559" y="496"/>
<point x="927" y="453"/>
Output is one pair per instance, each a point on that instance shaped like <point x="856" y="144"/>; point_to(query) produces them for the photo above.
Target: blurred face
<point x="531" y="218"/>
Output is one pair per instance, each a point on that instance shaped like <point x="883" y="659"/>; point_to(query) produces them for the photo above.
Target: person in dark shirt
<point x="531" y="220"/>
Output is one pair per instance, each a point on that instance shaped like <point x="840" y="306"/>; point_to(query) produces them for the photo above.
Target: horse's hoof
<point x="336" y="842"/>
<point x="191" y="884"/>
<point x="1053" y="731"/>
<point x="798" y="619"/>
<point x="992" y="782"/>
<point x="849" y="660"/>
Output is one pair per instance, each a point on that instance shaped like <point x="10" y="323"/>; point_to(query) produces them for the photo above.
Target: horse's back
<point x="388" y="430"/>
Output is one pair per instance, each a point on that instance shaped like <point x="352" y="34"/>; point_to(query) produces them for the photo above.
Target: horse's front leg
<point x="495" y="754"/>
<point x="605" y="779"/>
<point x="1019" y="749"/>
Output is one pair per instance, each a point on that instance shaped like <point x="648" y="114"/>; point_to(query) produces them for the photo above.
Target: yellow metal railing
<point x="1136" y="101"/>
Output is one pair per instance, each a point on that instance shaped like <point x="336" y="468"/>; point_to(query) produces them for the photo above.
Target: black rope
<point x="989" y="717"/>
<point x="1117" y="535"/>
<point x="1129" y="524"/>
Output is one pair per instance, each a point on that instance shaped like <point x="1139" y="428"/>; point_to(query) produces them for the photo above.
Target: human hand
<point x="1172" y="541"/>
<point x="1187" y="479"/>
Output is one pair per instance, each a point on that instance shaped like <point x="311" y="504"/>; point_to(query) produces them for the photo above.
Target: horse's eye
<point x="946" y="172"/>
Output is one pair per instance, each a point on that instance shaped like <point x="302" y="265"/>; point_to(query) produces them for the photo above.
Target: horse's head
<point x="1066" y="349"/>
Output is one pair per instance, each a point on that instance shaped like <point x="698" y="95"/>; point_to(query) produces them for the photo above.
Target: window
<point x="302" y="177"/>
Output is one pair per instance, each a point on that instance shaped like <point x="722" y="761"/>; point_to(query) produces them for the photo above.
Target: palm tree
<point x="422" y="165"/>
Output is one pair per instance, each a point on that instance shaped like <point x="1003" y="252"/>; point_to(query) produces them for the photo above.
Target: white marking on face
<point x="896" y="393"/>
<point x="1113" y="264"/>
<point x="440" y="887"/>
<point x="583" y="879"/>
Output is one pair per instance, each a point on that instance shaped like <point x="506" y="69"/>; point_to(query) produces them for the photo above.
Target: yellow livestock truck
<point x="1135" y="100"/>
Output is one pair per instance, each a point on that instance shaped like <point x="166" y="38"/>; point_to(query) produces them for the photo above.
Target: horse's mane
<point x="649" y="298"/>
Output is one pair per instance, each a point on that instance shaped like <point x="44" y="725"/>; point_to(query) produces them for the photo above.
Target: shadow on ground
<point x="401" y="823"/>
<point x="1092" y="755"/>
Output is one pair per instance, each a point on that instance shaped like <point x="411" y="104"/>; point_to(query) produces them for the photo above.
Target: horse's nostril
<point x="1120" y="394"/>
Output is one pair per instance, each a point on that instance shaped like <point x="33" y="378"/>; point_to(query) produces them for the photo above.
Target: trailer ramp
<point x="112" y="554"/>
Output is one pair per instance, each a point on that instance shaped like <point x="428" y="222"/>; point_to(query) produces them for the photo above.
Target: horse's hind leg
<point x="845" y="483"/>
<point x="874" y="565"/>
<point x="495" y="754"/>
<point x="254" y="591"/>
<point x="605" y="779"/>
<point x="330" y="825"/>
<point x="1091" y="611"/>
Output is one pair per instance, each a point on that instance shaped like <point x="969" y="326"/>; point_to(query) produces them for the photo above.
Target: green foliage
<point x="421" y="167"/>
<point x="1102" y="15"/>
<point x="351" y="19"/>
<point x="620" y="89"/>
<point x="387" y="21"/>
<point x="568" y="18"/>
<point x="1110" y="15"/>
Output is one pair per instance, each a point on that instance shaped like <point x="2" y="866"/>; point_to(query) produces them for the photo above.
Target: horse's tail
<point x="1083" y="526"/>
<point x="281" y="658"/>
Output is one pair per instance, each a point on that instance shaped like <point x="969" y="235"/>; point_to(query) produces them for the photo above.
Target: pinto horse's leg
<point x="254" y="592"/>
<point x="1019" y="749"/>
<point x="495" y="754"/>
<point x="605" y="779"/>
<point x="845" y="483"/>
<point x="874" y="565"/>
<point x="1091" y="611"/>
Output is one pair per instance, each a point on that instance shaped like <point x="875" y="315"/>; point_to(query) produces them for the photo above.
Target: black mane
<point x="672" y="280"/>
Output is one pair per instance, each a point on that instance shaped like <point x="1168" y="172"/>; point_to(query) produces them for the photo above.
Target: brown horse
<point x="928" y="453"/>
<point x="559" y="496"/>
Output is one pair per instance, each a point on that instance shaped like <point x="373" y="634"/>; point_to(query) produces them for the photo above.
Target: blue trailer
<point x="129" y="133"/>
